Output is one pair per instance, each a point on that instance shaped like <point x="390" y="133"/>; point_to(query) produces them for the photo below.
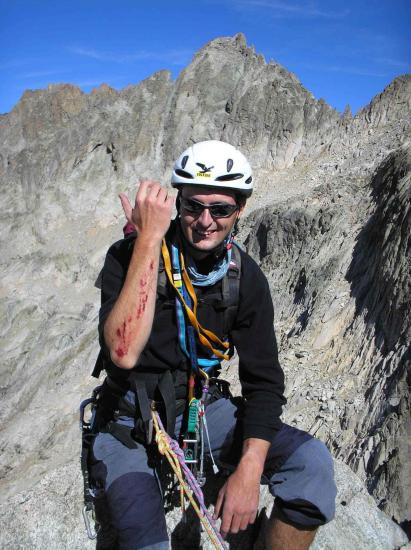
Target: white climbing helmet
<point x="213" y="164"/>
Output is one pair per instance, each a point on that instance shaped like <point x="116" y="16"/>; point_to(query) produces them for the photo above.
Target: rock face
<point x="329" y="223"/>
<point x="344" y="317"/>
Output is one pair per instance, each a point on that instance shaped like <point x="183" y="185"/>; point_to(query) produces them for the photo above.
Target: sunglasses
<point x="217" y="210"/>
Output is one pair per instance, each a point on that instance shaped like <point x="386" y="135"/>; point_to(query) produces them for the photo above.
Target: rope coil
<point x="171" y="450"/>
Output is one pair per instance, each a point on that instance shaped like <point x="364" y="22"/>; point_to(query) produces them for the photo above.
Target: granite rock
<point x="329" y="223"/>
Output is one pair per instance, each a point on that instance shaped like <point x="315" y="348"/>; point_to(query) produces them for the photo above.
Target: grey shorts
<point x="298" y="471"/>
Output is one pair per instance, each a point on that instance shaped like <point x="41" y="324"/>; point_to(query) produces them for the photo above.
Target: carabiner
<point x="91" y="533"/>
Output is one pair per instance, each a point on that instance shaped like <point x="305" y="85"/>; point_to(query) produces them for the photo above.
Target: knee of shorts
<point x="305" y="487"/>
<point x="136" y="512"/>
<point x="135" y="502"/>
<point x="299" y="513"/>
<point x="317" y="461"/>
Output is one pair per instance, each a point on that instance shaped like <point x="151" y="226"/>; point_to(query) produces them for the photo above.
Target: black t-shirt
<point x="261" y="377"/>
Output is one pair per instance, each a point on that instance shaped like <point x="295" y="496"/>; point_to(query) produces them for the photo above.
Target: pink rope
<point x="192" y="482"/>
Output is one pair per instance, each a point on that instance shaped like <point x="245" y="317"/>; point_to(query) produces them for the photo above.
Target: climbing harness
<point x="171" y="450"/>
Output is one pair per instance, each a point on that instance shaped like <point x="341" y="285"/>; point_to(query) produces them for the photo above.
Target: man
<point x="147" y="335"/>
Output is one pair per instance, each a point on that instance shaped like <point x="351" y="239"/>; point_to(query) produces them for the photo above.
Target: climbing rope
<point x="171" y="450"/>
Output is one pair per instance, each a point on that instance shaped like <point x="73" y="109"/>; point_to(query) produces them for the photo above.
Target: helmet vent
<point x="184" y="162"/>
<point x="229" y="164"/>
<point x="249" y="180"/>
<point x="184" y="174"/>
<point x="229" y="177"/>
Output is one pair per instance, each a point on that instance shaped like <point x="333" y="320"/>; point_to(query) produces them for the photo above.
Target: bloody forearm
<point x="129" y="324"/>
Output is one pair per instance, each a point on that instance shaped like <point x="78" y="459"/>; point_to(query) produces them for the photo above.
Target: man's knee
<point x="131" y="492"/>
<point x="136" y="510"/>
<point x="304" y="487"/>
<point x="316" y="460"/>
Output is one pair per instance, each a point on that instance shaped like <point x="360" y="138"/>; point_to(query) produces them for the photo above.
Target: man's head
<point x="214" y="181"/>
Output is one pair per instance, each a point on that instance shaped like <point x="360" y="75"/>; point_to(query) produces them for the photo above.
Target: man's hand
<point x="237" y="500"/>
<point x="151" y="215"/>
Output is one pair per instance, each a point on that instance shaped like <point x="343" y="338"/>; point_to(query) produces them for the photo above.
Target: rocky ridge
<point x="329" y="223"/>
<point x="343" y="303"/>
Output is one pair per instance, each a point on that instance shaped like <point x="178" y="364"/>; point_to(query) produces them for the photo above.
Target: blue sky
<point x="343" y="51"/>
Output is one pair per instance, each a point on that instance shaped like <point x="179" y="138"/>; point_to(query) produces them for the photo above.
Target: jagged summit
<point x="393" y="102"/>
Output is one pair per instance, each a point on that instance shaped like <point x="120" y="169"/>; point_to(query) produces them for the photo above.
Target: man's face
<point x="205" y="229"/>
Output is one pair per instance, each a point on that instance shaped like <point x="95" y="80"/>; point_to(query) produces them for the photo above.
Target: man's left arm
<point x="238" y="499"/>
<point x="262" y="382"/>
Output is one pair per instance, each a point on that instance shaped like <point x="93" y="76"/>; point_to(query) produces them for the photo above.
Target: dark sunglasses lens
<point x="216" y="210"/>
<point x="192" y="206"/>
<point x="222" y="210"/>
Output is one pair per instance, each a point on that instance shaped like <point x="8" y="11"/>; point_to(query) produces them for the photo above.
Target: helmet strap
<point x="231" y="236"/>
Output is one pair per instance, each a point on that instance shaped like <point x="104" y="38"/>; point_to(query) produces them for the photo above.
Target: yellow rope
<point x="203" y="373"/>
<point x="165" y="449"/>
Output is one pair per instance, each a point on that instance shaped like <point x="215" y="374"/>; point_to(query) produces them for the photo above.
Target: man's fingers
<point x="246" y="521"/>
<point x="218" y="504"/>
<point x="151" y="191"/>
<point x="233" y="523"/>
<point x="125" y="203"/>
<point x="144" y="189"/>
<point x="170" y="200"/>
<point x="227" y="521"/>
<point x="162" y="194"/>
<point x="152" y="209"/>
<point x="236" y="523"/>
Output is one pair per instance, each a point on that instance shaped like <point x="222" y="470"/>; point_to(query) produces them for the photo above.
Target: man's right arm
<point x="128" y="326"/>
